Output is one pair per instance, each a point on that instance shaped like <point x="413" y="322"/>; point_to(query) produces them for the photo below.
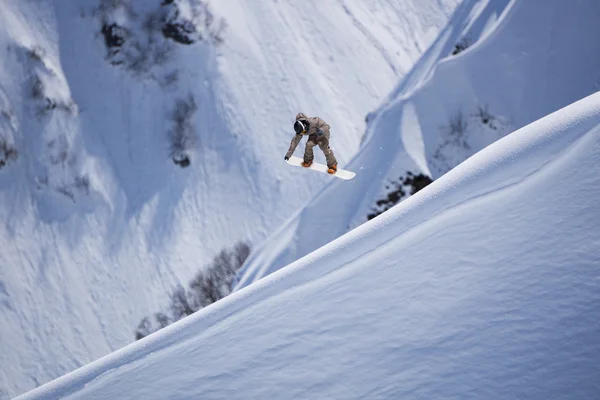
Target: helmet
<point x="300" y="126"/>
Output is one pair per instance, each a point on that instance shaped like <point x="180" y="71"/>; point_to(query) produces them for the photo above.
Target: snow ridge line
<point x="491" y="163"/>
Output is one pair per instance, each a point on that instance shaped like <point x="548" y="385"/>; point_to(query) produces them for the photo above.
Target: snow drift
<point x="497" y="66"/>
<point x="485" y="284"/>
<point x="102" y="102"/>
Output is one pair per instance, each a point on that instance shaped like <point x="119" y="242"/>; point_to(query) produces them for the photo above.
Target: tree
<point x="210" y="285"/>
<point x="162" y="319"/>
<point x="180" y="306"/>
<point x="143" y="329"/>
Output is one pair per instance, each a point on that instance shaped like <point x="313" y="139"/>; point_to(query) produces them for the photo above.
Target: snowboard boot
<point x="307" y="164"/>
<point x="332" y="169"/>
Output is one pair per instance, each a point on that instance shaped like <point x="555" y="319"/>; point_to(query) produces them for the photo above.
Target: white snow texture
<point x="525" y="62"/>
<point x="482" y="285"/>
<point x="97" y="224"/>
<point x="485" y="284"/>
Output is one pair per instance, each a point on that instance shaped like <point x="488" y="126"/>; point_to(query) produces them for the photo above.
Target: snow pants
<point x="323" y="142"/>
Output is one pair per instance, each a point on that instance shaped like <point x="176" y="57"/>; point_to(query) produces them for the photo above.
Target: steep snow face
<point x="497" y="66"/>
<point x="99" y="98"/>
<point x="483" y="285"/>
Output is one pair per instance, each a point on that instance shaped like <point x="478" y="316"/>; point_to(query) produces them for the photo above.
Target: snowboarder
<point x="317" y="131"/>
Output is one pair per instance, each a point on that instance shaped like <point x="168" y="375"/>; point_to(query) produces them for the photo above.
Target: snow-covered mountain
<point x="483" y="285"/>
<point x="497" y="66"/>
<point x="99" y="97"/>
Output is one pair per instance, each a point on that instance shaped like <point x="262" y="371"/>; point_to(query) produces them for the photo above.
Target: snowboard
<point x="341" y="173"/>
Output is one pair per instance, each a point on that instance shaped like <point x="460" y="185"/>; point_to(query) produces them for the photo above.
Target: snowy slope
<point x="97" y="223"/>
<point x="483" y="285"/>
<point x="524" y="61"/>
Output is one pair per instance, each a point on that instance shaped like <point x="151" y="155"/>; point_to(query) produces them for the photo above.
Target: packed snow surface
<point x="523" y="60"/>
<point x="97" y="224"/>
<point x="484" y="285"/>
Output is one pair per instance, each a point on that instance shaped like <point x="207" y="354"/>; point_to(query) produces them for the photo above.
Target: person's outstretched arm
<point x="295" y="140"/>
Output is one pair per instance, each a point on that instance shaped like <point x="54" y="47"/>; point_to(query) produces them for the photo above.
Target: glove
<point x="286" y="158"/>
<point x="320" y="132"/>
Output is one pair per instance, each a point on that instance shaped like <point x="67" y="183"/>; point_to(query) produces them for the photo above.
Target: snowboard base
<point x="341" y="173"/>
